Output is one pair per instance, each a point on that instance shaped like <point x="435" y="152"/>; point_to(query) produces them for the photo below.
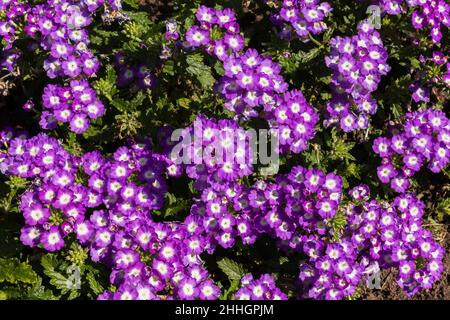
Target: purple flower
<point x="197" y="37"/>
<point x="79" y="123"/>
<point x="305" y="17"/>
<point x="52" y="240"/>
<point x="355" y="77"/>
<point x="30" y="236"/>
<point x="419" y="93"/>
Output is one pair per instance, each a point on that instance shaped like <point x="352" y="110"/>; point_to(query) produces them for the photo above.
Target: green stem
<point x="315" y="41"/>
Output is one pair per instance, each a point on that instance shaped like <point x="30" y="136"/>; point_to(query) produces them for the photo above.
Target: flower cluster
<point x="14" y="12"/>
<point x="113" y="205"/>
<point x="216" y="150"/>
<point x="59" y="28"/>
<point x="227" y="209"/>
<point x="68" y="194"/>
<point x="216" y="21"/>
<point x="215" y="155"/>
<point x="75" y="104"/>
<point x="333" y="270"/>
<point x="298" y="202"/>
<point x="440" y="59"/>
<point x="252" y="80"/>
<point x="123" y="234"/>
<point x="263" y="288"/>
<point x="378" y="236"/>
<point x="434" y="14"/>
<point x="302" y="17"/>
<point x="248" y="76"/>
<point x="138" y="75"/>
<point x="176" y="270"/>
<point x="65" y="188"/>
<point x="295" y="120"/>
<point x="358" y="62"/>
<point x="424" y="139"/>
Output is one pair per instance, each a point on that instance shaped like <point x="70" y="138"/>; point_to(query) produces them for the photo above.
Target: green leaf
<point x="446" y="171"/>
<point x="227" y="294"/>
<point x="107" y="86"/>
<point x="415" y="63"/>
<point x="169" y="68"/>
<point x="73" y="294"/>
<point x="352" y="170"/>
<point x="183" y="103"/>
<point x="39" y="292"/>
<point x="11" y="293"/>
<point x="14" y="271"/>
<point x="338" y="223"/>
<point x="198" y="69"/>
<point x="232" y="269"/>
<point x="443" y="208"/>
<point x="25" y="273"/>
<point x="340" y="148"/>
<point x="283" y="260"/>
<point x="50" y="262"/>
<point x="132" y="3"/>
<point x="189" y="22"/>
<point x="218" y="67"/>
<point x="137" y="101"/>
<point x="314" y="155"/>
<point x="100" y="37"/>
<point x="95" y="286"/>
<point x="397" y="111"/>
<point x="15" y="184"/>
<point x="310" y="55"/>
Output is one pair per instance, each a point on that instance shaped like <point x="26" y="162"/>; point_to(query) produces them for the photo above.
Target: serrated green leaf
<point x="14" y="271"/>
<point x="340" y="148"/>
<point x="169" y="68"/>
<point x="197" y="68"/>
<point x="107" y="86"/>
<point x="310" y="55"/>
<point x="39" y="292"/>
<point x="232" y="269"/>
<point x="443" y="208"/>
<point x="49" y="261"/>
<point x="95" y="286"/>
<point x="283" y="260"/>
<point x="183" y="103"/>
<point x="132" y="3"/>
<point x="25" y="273"/>
<point x="227" y="294"/>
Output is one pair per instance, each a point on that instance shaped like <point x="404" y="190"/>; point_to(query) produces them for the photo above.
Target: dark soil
<point x="157" y="9"/>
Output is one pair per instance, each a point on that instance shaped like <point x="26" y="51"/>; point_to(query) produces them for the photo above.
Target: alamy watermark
<point x="373" y="276"/>
<point x="375" y="16"/>
<point x="74" y="280"/>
